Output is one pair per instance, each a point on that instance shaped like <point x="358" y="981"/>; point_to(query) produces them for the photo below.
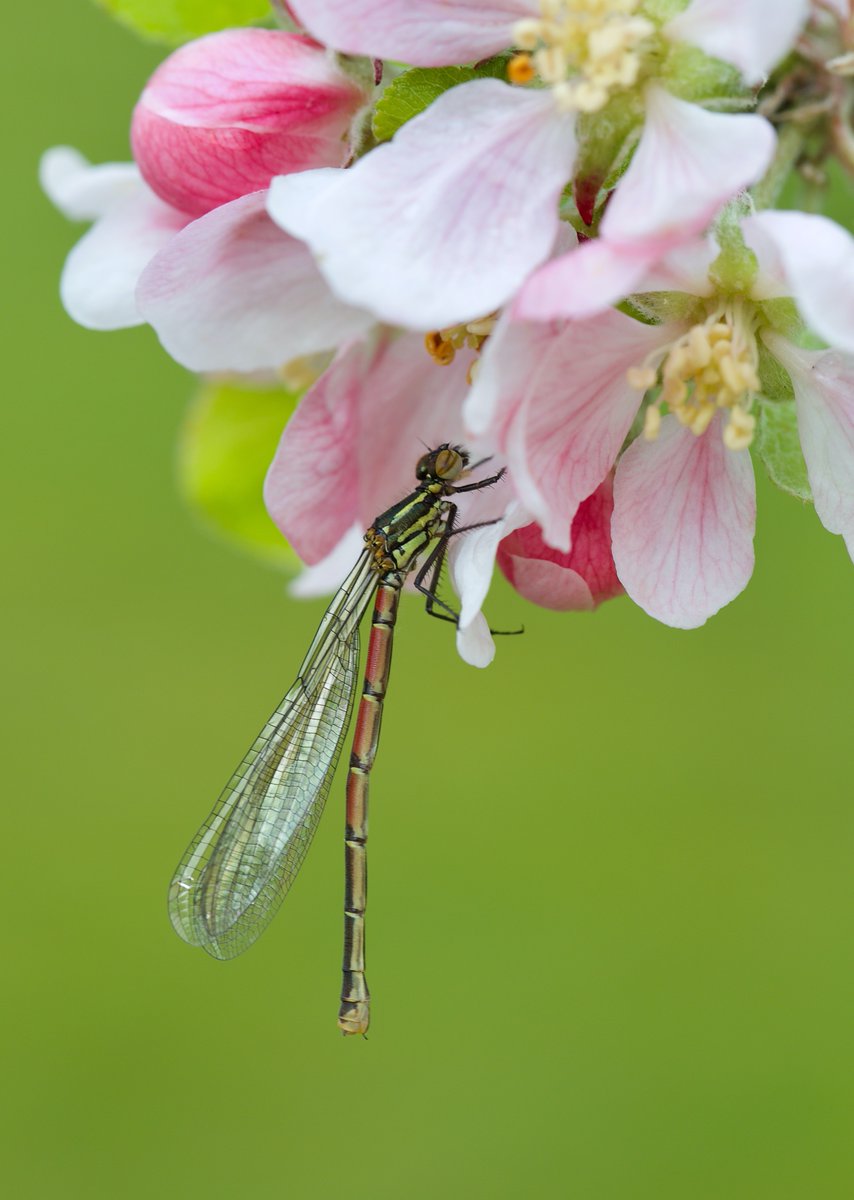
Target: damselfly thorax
<point x="239" y="867"/>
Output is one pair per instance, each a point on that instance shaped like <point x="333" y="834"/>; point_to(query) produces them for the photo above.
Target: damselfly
<point x="240" y="865"/>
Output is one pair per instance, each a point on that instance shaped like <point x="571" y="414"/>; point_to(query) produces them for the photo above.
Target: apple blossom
<point x="225" y="113"/>
<point x="406" y="234"/>
<point x="683" y="491"/>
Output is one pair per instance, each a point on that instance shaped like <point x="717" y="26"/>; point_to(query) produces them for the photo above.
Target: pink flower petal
<point x="235" y="293"/>
<point x="753" y="35"/>
<point x="824" y="394"/>
<point x="225" y="113"/>
<point x="443" y="223"/>
<point x="425" y="33"/>
<point x="600" y="273"/>
<point x="579" y="580"/>
<point x="687" y="164"/>
<point x="312" y="487"/>
<point x="350" y="450"/>
<point x="587" y="280"/>
<point x="684" y="513"/>
<point x="555" y="400"/>
<point x="817" y="257"/>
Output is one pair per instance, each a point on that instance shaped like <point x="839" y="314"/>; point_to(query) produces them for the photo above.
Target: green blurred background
<point x="610" y="922"/>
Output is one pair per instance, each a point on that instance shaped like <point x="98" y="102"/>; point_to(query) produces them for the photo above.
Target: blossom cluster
<point x="542" y="228"/>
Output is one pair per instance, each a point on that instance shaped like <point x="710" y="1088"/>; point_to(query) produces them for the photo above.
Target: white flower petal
<point x="235" y="293"/>
<point x="687" y="164"/>
<point x="817" y="257"/>
<point x="824" y="394"/>
<point x="682" y="528"/>
<point x="327" y="575"/>
<point x="471" y="559"/>
<point x="100" y="276"/>
<point x="753" y="35"/>
<point x="82" y="192"/>
<point x="474" y="642"/>
<point x="443" y="223"/>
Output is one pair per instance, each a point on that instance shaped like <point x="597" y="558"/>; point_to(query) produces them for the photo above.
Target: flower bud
<point x="579" y="580"/>
<point x="224" y="114"/>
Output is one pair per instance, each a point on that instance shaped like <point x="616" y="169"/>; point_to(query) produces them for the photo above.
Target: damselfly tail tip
<point x="354" y="1016"/>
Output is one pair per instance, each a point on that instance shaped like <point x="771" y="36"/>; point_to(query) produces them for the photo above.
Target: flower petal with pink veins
<point x="312" y="487"/>
<point x="443" y="223"/>
<point x="753" y="35"/>
<point x="235" y="293"/>
<point x="425" y="33"/>
<point x="555" y="400"/>
<point x="817" y="256"/>
<point x="682" y="529"/>
<point x="577" y="581"/>
<point x="824" y="395"/>
<point x="687" y="164"/>
<point x="100" y="276"/>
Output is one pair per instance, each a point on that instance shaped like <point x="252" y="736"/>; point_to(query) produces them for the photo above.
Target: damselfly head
<point x="445" y="463"/>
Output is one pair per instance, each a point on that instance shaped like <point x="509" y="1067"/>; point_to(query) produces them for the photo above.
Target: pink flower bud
<point x="581" y="579"/>
<point x="224" y="114"/>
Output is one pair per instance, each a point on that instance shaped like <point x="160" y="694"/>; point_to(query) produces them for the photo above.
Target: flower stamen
<point x="583" y="49"/>
<point x="713" y="366"/>
<point x="443" y="344"/>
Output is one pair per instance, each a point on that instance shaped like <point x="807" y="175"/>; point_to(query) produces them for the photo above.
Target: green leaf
<point x="415" y="90"/>
<point x="227" y="444"/>
<point x="177" y="20"/>
<point x="780" y="448"/>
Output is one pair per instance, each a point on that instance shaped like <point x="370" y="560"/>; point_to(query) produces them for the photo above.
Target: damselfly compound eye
<point x="449" y="463"/>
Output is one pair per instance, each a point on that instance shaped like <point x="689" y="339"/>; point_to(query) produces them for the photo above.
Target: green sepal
<point x="605" y="140"/>
<point x="229" y="437"/>
<point x="782" y="315"/>
<point x="774" y="380"/>
<point x="692" y="75"/>
<point x="779" y="448"/>
<point x="179" y="20"/>
<point x="660" y="308"/>
<point x="416" y="89"/>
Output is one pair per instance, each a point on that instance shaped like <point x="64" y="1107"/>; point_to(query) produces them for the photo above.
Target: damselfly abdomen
<point x="240" y="865"/>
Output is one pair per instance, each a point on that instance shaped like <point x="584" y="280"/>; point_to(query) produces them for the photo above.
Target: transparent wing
<point x="240" y="865"/>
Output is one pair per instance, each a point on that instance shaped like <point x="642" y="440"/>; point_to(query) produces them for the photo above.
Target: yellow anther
<point x="439" y="348"/>
<point x="740" y="429"/>
<point x="520" y="69"/>
<point x="526" y="33"/>
<point x="711" y="367"/>
<point x="442" y="344"/>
